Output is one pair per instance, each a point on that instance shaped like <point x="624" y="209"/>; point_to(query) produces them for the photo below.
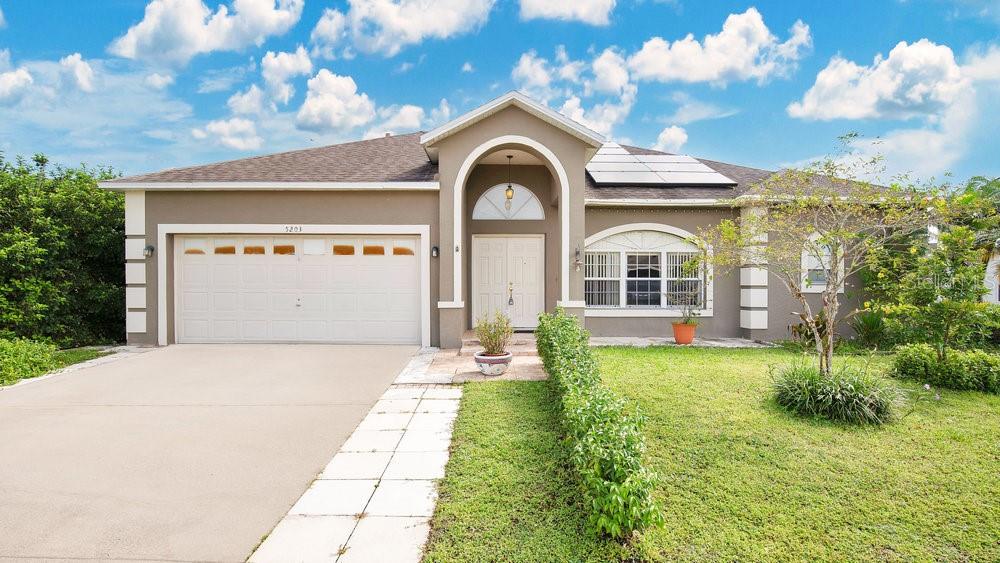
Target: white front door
<point x="508" y="274"/>
<point x="262" y="288"/>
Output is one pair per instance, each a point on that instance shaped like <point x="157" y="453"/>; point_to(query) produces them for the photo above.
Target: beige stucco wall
<point x="725" y="320"/>
<point x="570" y="151"/>
<point x="539" y="181"/>
<point x="281" y="207"/>
<point x="783" y="309"/>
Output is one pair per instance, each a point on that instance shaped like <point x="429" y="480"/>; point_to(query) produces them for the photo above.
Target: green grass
<point x="76" y="355"/>
<point x="741" y="479"/>
<point x="61" y="359"/>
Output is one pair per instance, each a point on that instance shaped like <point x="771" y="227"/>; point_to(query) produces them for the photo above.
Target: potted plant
<point x="685" y="328"/>
<point x="493" y="335"/>
<point x="688" y="302"/>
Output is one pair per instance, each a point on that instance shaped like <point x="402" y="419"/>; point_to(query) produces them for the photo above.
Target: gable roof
<point x="516" y="99"/>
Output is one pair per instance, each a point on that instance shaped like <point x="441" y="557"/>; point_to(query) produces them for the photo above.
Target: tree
<point x="828" y="217"/>
<point x="939" y="300"/>
<point x="61" y="254"/>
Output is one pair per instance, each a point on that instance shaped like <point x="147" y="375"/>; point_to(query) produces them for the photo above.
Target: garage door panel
<point x="195" y="302"/>
<point x="306" y="289"/>
<point x="225" y="302"/>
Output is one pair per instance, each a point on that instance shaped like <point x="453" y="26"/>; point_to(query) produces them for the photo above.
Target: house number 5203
<point x="293" y="228"/>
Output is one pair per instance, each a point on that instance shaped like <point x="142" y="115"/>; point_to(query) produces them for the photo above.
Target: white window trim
<point x="165" y="229"/>
<point x="807" y="259"/>
<point x="623" y="310"/>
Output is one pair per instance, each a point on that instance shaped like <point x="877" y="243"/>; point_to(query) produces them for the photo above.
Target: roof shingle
<point x="401" y="158"/>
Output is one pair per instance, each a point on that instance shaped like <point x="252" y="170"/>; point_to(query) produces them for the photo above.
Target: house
<point x="409" y="238"/>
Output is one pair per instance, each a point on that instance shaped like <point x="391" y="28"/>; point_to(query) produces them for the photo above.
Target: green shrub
<point x="21" y="359"/>
<point x="604" y="433"/>
<point x="869" y="329"/>
<point x="964" y="370"/>
<point x="847" y="395"/>
<point x="915" y="361"/>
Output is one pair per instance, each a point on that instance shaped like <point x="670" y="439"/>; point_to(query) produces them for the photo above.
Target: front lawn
<point x="741" y="479"/>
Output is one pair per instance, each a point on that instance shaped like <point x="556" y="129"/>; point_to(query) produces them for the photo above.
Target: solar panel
<point x="614" y="165"/>
<point x="626" y="178"/>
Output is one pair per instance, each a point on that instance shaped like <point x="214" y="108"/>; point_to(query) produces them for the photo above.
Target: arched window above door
<point x="492" y="205"/>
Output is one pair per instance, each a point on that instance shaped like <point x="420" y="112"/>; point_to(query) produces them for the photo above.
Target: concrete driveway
<point x="185" y="453"/>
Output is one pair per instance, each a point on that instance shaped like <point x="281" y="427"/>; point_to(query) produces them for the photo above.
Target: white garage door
<point x="363" y="289"/>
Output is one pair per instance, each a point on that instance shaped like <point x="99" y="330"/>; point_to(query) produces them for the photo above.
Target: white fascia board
<point x="702" y="202"/>
<point x="529" y="105"/>
<point x="266" y="186"/>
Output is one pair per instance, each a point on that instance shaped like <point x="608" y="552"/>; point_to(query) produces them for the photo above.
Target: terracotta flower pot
<point x="493" y="365"/>
<point x="684" y="332"/>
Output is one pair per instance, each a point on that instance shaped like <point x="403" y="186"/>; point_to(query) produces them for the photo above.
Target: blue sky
<point x="143" y="85"/>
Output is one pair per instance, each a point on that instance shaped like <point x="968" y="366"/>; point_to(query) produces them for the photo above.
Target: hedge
<point x="21" y="359"/>
<point x="602" y="430"/>
<point x="964" y="370"/>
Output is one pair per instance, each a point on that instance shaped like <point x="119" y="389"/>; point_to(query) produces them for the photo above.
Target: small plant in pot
<point x="688" y="302"/>
<point x="494" y="335"/>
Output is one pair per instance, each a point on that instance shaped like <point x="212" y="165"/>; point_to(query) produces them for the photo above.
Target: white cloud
<point x="278" y="68"/>
<point x="982" y="65"/>
<point x="13" y="82"/>
<point x="333" y="103"/>
<point x="745" y="49"/>
<point x="610" y="72"/>
<point x="79" y="70"/>
<point x="222" y="79"/>
<point x="386" y="26"/>
<point x="174" y="31"/>
<point x="235" y="133"/>
<point x="533" y="76"/>
<point x="914" y="80"/>
<point x="467" y="67"/>
<point x="328" y="33"/>
<point x="690" y="110"/>
<point x="250" y="102"/>
<point x="408" y="118"/>
<point x="567" y="69"/>
<point x="159" y="81"/>
<point x="671" y="139"/>
<point x="594" y="12"/>
<point x="604" y="116"/>
<point x="396" y="119"/>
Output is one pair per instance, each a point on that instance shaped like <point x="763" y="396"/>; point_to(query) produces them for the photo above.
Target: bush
<point x="869" y="329"/>
<point x="21" y="359"/>
<point x="61" y="254"/>
<point x="494" y="335"/>
<point x="847" y="395"/>
<point x="604" y="433"/>
<point x="963" y="370"/>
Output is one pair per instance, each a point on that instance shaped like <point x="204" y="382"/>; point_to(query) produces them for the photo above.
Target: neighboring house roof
<point x="517" y="99"/>
<point x="400" y="162"/>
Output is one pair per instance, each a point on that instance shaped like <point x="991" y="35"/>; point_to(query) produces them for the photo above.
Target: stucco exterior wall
<point x="280" y="207"/>
<point x="725" y="320"/>
<point x="453" y="151"/>
<point x="539" y="181"/>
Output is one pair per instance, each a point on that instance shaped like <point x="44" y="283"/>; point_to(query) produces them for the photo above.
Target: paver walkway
<point x="374" y="500"/>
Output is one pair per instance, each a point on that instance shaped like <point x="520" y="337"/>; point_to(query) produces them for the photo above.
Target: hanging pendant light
<point x="509" y="192"/>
